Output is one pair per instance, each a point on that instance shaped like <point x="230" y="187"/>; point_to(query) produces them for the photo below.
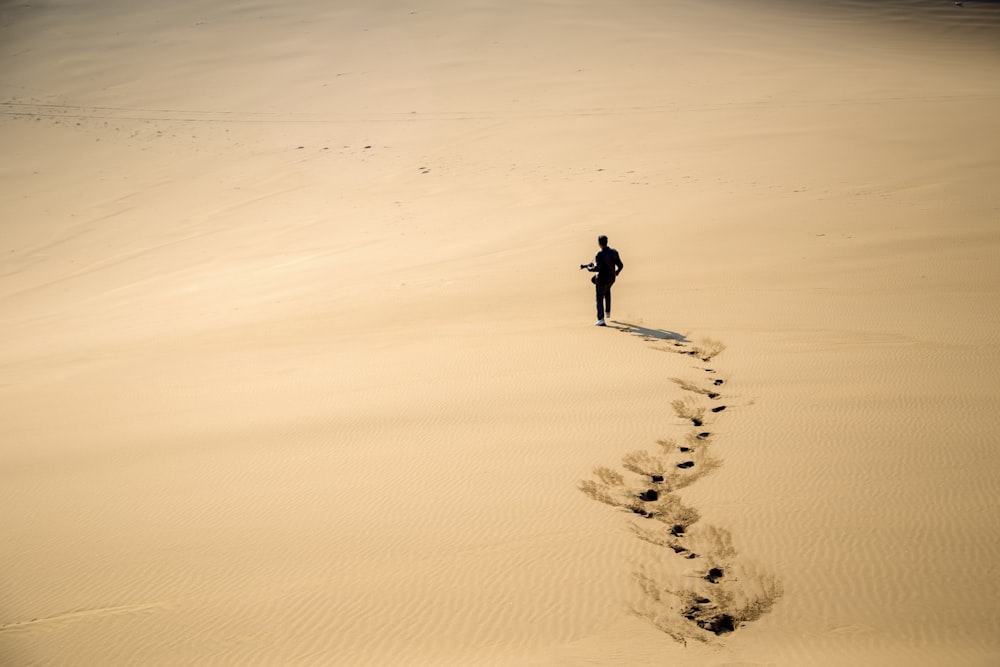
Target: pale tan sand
<point x="297" y="367"/>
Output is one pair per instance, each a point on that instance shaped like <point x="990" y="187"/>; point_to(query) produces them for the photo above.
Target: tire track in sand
<point x="715" y="592"/>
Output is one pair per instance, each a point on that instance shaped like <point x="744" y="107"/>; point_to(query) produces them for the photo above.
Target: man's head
<point x="602" y="241"/>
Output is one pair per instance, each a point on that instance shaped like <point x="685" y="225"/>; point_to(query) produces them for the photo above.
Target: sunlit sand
<point x="298" y="364"/>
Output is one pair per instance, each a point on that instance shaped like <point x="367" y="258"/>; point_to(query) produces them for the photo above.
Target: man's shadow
<point x="647" y="333"/>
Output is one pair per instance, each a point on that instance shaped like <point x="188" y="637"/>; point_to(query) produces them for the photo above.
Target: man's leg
<point x="601" y="291"/>
<point x="607" y="301"/>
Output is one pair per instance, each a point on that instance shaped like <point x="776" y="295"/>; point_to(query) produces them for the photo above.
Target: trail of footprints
<point x="717" y="593"/>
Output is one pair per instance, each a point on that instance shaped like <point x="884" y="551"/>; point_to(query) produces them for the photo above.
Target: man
<point x="607" y="265"/>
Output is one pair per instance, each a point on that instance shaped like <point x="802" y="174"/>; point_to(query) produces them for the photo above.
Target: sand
<point x="298" y="366"/>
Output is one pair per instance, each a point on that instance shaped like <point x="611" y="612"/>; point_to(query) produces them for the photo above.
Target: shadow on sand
<point x="647" y="333"/>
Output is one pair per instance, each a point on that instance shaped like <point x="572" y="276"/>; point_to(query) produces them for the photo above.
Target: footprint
<point x="722" y="624"/>
<point x="683" y="551"/>
<point x="703" y="435"/>
<point x="685" y="449"/>
<point x="686" y="464"/>
<point x="717" y="383"/>
<point x="715" y="575"/>
<point x="719" y="409"/>
<point x="698" y="422"/>
<point x="696" y="610"/>
<point x="713" y="394"/>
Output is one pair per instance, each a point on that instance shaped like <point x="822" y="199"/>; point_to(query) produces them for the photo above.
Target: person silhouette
<point x="607" y="265"/>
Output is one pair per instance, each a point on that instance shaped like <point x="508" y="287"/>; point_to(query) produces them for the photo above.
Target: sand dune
<point x="297" y="366"/>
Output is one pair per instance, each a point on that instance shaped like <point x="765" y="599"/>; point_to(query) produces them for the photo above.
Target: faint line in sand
<point x="84" y="112"/>
<point x="82" y="614"/>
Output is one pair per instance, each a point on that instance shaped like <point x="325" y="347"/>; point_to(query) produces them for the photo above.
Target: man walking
<point x="607" y="265"/>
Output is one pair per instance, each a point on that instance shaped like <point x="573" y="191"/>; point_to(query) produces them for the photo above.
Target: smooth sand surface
<point x="297" y="364"/>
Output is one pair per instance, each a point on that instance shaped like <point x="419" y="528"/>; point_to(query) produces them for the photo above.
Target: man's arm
<point x="618" y="263"/>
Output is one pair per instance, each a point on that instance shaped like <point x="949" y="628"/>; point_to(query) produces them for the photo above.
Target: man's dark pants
<point x="603" y="298"/>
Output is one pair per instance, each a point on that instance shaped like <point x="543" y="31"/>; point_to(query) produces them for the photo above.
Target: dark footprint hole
<point x="677" y="530"/>
<point x="691" y="556"/>
<point x="709" y="370"/>
<point x="678" y="549"/>
<point x="713" y="395"/>
<point x="719" y="409"/>
<point x="715" y="575"/>
<point x="686" y="464"/>
<point x="657" y="478"/>
<point x="650" y="495"/>
<point x="702" y="600"/>
<point x="717" y="383"/>
<point x="720" y="625"/>
<point x="703" y="435"/>
<point x="685" y="449"/>
<point x="697" y="422"/>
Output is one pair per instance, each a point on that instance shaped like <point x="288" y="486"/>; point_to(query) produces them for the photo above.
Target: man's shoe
<point x="600" y="323"/>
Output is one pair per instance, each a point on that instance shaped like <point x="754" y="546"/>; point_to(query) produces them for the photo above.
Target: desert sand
<point x="297" y="365"/>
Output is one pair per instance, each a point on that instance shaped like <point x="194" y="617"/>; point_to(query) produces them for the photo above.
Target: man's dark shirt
<point x="607" y="264"/>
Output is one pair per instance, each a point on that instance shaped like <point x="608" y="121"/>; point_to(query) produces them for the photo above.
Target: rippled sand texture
<point x="297" y="366"/>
